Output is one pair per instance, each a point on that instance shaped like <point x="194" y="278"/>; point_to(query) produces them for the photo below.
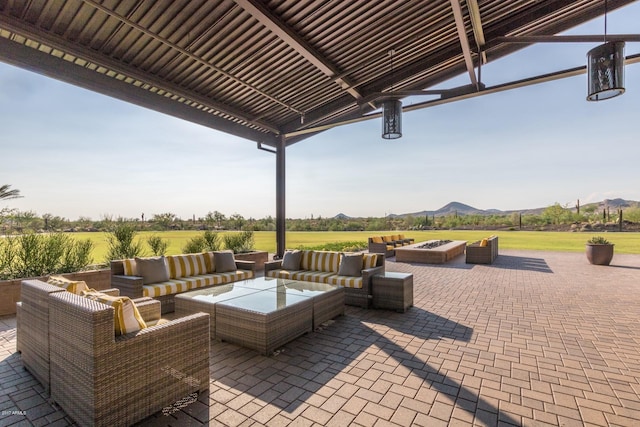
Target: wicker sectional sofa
<point x="325" y="267"/>
<point x="387" y="244"/>
<point x="175" y="274"/>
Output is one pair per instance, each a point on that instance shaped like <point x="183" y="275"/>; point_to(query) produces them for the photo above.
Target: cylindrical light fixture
<point x="605" y="71"/>
<point x="391" y="118"/>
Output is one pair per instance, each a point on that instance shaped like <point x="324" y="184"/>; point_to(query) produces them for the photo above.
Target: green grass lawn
<point x="626" y="242"/>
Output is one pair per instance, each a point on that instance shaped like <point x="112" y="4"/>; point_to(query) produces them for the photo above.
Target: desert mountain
<point x="458" y="208"/>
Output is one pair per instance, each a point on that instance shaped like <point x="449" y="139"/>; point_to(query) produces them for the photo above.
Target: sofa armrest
<point x="114" y="292"/>
<point x="272" y="265"/>
<point x="379" y="247"/>
<point x="370" y="272"/>
<point x="367" y="275"/>
<point x="130" y="286"/>
<point x="246" y="265"/>
<point x="149" y="308"/>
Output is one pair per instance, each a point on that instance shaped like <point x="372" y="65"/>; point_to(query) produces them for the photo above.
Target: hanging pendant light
<point x="391" y="118"/>
<point x="605" y="68"/>
<point x="605" y="71"/>
<point x="391" y="113"/>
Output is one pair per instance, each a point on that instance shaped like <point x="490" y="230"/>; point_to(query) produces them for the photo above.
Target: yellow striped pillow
<point x="377" y="239"/>
<point x="186" y="265"/>
<point x="325" y="261"/>
<point x="73" y="286"/>
<point x="369" y="261"/>
<point x="129" y="267"/>
<point x="305" y="263"/>
<point x="127" y="318"/>
<point x="209" y="262"/>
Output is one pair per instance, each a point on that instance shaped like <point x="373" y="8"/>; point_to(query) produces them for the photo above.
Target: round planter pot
<point x="599" y="254"/>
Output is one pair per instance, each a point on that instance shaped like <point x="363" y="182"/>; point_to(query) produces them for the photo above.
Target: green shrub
<point x="239" y="242"/>
<point x="35" y="255"/>
<point x="8" y="253"/>
<point x="339" y="247"/>
<point x="122" y="243"/>
<point x="194" y="245"/>
<point x="209" y="241"/>
<point x="157" y="244"/>
<point x="212" y="241"/>
<point x="76" y="257"/>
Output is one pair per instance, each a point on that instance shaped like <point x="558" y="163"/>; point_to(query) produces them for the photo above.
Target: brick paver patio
<point x="537" y="338"/>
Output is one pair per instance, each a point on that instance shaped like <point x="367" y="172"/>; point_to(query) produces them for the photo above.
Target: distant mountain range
<point x="462" y="209"/>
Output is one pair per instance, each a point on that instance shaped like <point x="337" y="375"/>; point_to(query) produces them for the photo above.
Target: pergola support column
<point x="280" y="196"/>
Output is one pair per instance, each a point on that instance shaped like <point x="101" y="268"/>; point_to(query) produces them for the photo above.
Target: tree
<point x="164" y="220"/>
<point x="218" y="218"/>
<point x="555" y="214"/>
<point x="53" y="222"/>
<point x="237" y="221"/>
<point x="7" y="194"/>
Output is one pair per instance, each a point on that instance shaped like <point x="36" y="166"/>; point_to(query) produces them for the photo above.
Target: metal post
<point x="280" y="196"/>
<point x="620" y="219"/>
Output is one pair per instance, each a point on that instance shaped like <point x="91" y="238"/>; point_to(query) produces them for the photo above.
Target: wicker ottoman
<point x="264" y="321"/>
<point x="328" y="300"/>
<point x="393" y="291"/>
<point x="205" y="300"/>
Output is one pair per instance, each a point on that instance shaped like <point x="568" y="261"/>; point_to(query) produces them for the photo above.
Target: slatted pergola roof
<point x="264" y="69"/>
<point x="276" y="72"/>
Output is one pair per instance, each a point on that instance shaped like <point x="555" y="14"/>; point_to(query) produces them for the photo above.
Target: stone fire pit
<point x="431" y="251"/>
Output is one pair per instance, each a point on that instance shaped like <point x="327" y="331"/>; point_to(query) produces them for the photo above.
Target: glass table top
<point x="266" y="301"/>
<point x="218" y="293"/>
<point x="395" y="275"/>
<point x="262" y="283"/>
<point x="305" y="289"/>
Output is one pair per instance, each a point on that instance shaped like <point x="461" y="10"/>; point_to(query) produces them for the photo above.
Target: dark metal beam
<point x="464" y="40"/>
<point x="567" y="39"/>
<point x="260" y="12"/>
<point x="462" y="95"/>
<point x="280" y="196"/>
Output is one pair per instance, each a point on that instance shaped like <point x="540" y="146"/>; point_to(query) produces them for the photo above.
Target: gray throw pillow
<point x="152" y="270"/>
<point x="351" y="265"/>
<point x="291" y="260"/>
<point x="225" y="262"/>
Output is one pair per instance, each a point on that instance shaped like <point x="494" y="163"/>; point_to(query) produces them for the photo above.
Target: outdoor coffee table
<point x="270" y="312"/>
<point x="264" y="320"/>
<point x="205" y="300"/>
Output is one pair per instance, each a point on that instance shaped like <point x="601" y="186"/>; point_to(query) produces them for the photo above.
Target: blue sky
<point x="75" y="153"/>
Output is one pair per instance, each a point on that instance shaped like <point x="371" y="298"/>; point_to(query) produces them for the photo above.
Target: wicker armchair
<point x="32" y="331"/>
<point x="103" y="380"/>
<point x="478" y="253"/>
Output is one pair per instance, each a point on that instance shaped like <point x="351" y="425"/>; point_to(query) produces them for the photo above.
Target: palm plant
<point x="7" y="194"/>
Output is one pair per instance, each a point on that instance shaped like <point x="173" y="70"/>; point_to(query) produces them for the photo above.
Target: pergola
<point x="277" y="72"/>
